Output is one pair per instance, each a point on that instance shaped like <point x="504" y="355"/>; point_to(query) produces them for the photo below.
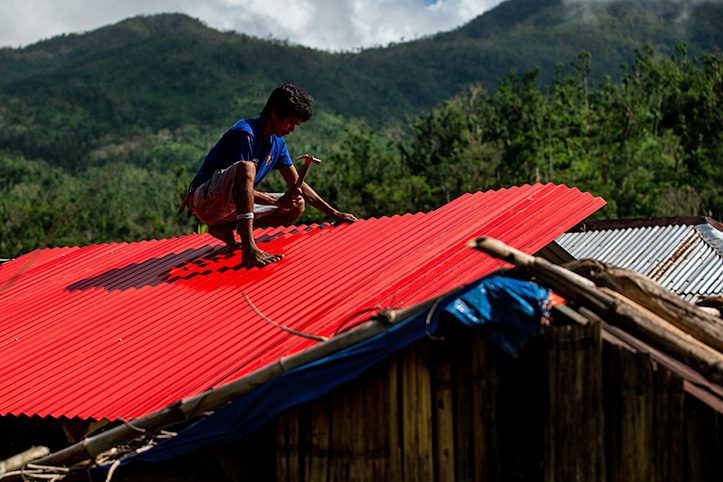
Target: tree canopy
<point x="650" y="144"/>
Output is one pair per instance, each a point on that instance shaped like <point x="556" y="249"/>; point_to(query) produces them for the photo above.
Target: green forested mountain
<point x="168" y="70"/>
<point x="100" y="132"/>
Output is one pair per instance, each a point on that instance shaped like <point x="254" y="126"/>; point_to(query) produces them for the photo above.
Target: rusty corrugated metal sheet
<point x="121" y="330"/>
<point x="684" y="258"/>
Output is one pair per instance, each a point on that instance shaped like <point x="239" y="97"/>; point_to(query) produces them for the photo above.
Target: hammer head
<point x="308" y="159"/>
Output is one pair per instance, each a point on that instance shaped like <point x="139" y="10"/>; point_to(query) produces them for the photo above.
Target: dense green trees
<point x="649" y="143"/>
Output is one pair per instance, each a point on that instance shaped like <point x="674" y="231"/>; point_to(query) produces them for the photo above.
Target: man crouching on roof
<point x="223" y="193"/>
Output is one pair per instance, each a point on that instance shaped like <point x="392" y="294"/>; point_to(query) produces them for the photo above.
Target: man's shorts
<point x="213" y="200"/>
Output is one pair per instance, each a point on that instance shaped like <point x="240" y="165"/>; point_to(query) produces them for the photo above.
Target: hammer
<point x="305" y="168"/>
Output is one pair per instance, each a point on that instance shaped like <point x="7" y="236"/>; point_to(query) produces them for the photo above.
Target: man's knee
<point x="274" y="218"/>
<point x="298" y="210"/>
<point x="245" y="170"/>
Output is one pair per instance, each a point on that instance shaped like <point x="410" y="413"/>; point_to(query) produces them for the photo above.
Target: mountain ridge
<point x="170" y="70"/>
<point x="375" y="83"/>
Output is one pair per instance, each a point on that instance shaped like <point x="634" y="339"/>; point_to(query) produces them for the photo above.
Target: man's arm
<point x="265" y="199"/>
<point x="311" y="197"/>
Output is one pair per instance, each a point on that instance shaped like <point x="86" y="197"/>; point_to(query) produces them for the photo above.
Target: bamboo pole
<point x="17" y="461"/>
<point x="652" y="296"/>
<point x="655" y="331"/>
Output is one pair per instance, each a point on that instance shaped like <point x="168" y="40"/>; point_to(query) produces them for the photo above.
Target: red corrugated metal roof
<point x="121" y="330"/>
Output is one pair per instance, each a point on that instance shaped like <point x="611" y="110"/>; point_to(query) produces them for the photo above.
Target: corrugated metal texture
<point x="121" y="330"/>
<point x="683" y="258"/>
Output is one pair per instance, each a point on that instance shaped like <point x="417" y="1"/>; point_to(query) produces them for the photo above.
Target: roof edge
<point x="599" y="225"/>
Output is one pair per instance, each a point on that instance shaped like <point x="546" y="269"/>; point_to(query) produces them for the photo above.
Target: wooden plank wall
<point x="574" y="423"/>
<point x="644" y="426"/>
<point x="350" y="434"/>
<point x="704" y="443"/>
<point x="460" y="410"/>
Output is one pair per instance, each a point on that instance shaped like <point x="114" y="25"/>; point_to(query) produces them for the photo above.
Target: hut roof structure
<point x="683" y="254"/>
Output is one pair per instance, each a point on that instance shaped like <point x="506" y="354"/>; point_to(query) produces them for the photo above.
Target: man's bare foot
<point x="224" y="232"/>
<point x="257" y="257"/>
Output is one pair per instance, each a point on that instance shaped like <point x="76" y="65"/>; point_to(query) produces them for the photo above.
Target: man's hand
<point x="340" y="217"/>
<point x="290" y="199"/>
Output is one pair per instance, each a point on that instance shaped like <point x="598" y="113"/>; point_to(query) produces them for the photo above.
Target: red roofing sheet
<point x="121" y="330"/>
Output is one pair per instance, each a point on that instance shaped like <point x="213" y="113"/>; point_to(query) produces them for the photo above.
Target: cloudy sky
<point x="333" y="25"/>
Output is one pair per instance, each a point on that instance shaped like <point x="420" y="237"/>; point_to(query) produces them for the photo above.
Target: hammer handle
<point x="302" y="175"/>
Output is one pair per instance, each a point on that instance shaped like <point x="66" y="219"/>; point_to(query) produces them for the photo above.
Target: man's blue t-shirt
<point x="244" y="141"/>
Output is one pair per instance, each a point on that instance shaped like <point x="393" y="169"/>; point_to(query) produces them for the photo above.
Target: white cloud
<point x="324" y="24"/>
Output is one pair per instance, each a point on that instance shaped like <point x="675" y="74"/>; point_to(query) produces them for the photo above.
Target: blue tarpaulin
<point x="506" y="312"/>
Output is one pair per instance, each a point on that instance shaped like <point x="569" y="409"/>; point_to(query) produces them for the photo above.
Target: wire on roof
<point x="288" y="330"/>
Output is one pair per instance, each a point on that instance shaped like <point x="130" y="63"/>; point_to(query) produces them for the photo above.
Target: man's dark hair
<point x="288" y="100"/>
